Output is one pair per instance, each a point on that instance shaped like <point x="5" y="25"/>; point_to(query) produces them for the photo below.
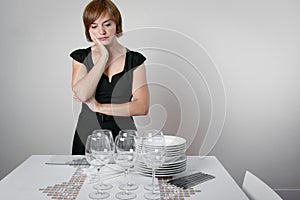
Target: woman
<point x="109" y="79"/>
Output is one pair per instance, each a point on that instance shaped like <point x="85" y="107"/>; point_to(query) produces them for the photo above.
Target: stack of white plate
<point x="175" y="160"/>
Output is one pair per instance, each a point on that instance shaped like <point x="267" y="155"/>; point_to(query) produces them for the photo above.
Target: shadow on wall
<point x="187" y="96"/>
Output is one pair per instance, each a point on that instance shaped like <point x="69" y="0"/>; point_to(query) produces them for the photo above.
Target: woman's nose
<point x="102" y="31"/>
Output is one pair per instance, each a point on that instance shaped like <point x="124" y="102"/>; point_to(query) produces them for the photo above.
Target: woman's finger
<point x="95" y="39"/>
<point x="75" y="98"/>
<point x="98" y="42"/>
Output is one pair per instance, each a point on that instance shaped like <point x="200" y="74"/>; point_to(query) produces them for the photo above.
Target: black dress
<point x="118" y="91"/>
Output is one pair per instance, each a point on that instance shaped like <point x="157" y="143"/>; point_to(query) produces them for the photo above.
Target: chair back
<point x="256" y="189"/>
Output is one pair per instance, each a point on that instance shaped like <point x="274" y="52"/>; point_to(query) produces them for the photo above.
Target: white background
<point x="254" y="44"/>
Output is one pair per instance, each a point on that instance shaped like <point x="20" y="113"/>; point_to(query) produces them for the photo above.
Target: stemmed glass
<point x="91" y="160"/>
<point x="125" y="157"/>
<point x="129" y="186"/>
<point x="108" y="133"/>
<point x="153" y="152"/>
<point x="102" y="150"/>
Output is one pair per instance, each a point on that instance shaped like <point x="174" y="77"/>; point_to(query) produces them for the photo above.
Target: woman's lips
<point x="103" y="38"/>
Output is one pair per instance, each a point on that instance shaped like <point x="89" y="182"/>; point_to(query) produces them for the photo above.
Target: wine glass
<point x="125" y="157"/>
<point x="102" y="150"/>
<point x="90" y="159"/>
<point x="105" y="132"/>
<point x="153" y="152"/>
<point x="108" y="133"/>
<point x="147" y="133"/>
<point x="129" y="186"/>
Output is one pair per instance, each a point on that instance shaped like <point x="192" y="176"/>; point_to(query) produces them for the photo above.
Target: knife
<point x="191" y="180"/>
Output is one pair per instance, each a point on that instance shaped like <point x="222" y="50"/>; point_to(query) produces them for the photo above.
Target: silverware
<point x="195" y="182"/>
<point x="191" y="180"/>
<point x="187" y="177"/>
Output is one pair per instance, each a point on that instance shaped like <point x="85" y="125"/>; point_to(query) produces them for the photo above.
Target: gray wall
<point x="252" y="48"/>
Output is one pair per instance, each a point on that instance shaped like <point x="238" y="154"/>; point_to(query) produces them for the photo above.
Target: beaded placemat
<point x="69" y="190"/>
<point x="172" y="192"/>
<point x="66" y="190"/>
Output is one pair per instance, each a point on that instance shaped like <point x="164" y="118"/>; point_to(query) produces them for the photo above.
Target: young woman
<point x="108" y="78"/>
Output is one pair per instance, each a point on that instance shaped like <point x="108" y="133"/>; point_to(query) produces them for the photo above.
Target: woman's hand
<point x="100" y="50"/>
<point x="75" y="98"/>
<point x="93" y="104"/>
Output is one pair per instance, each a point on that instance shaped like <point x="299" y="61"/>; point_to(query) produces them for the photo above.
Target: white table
<point x="27" y="180"/>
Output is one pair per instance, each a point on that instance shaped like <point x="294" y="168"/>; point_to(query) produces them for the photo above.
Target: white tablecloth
<point x="27" y="180"/>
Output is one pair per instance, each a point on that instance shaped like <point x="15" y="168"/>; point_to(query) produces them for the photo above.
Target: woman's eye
<point x="107" y="24"/>
<point x="93" y="26"/>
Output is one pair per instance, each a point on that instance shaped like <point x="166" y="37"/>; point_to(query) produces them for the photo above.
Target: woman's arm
<point x="140" y="98"/>
<point x="84" y="83"/>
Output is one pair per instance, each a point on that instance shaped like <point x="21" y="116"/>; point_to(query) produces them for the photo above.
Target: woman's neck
<point x="115" y="48"/>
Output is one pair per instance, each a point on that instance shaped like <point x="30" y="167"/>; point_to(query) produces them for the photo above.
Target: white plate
<point x="169" y="167"/>
<point x="182" y="147"/>
<point x="168" y="160"/>
<point x="161" y="170"/>
<point x="171" y="152"/>
<point x="162" y="173"/>
<point x="172" y="141"/>
<point x="166" y="172"/>
<point x="164" y="169"/>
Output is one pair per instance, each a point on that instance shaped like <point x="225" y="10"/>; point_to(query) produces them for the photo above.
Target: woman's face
<point x="104" y="28"/>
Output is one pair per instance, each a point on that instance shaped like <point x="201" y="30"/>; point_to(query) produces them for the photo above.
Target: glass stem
<point x="153" y="180"/>
<point x="99" y="179"/>
<point x="125" y="179"/>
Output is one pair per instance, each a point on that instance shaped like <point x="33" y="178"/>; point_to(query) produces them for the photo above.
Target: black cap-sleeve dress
<point x="116" y="91"/>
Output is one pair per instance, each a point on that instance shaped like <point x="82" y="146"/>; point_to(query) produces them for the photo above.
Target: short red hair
<point x="93" y="11"/>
